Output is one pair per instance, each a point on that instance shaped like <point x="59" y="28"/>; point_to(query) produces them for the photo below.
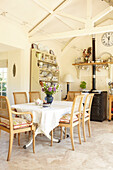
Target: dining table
<point x="47" y="118"/>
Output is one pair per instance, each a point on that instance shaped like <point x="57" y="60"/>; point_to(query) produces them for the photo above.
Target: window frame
<point x="3" y="81"/>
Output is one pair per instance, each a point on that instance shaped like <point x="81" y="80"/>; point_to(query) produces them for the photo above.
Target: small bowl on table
<point x="46" y="104"/>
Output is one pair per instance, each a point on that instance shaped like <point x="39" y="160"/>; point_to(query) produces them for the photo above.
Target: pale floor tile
<point x="95" y="154"/>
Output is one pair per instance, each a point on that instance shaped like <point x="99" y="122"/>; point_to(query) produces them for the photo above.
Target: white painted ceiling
<point x="57" y="19"/>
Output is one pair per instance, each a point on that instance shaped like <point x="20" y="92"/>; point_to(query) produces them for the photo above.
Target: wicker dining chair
<point x="34" y="95"/>
<point x="14" y="125"/>
<point x="71" y="95"/>
<point x="85" y="115"/>
<point x="72" y="119"/>
<point x="20" y="97"/>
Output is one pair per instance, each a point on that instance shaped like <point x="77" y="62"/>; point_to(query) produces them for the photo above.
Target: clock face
<point x="107" y="39"/>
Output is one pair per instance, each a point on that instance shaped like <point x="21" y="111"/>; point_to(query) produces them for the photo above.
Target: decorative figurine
<point x="87" y="55"/>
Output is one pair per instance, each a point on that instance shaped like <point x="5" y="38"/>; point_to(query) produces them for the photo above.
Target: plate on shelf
<point x="46" y="49"/>
<point x="51" y="52"/>
<point x="40" y="47"/>
<point x="105" y="57"/>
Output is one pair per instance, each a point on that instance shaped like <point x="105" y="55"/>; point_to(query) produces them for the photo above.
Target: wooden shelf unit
<point x="43" y="68"/>
<point x="92" y="64"/>
<point x="88" y="64"/>
<point x="46" y="62"/>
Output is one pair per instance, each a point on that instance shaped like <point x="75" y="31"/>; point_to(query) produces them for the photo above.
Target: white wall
<point x="13" y="35"/>
<point x="21" y="81"/>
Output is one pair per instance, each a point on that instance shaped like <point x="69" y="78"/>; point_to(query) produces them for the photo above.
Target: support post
<point x="94" y="66"/>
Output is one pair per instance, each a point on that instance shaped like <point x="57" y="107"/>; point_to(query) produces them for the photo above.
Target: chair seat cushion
<point x="17" y="123"/>
<point x="66" y="118"/>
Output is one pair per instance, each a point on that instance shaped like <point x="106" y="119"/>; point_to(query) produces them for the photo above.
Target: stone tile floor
<point x="95" y="154"/>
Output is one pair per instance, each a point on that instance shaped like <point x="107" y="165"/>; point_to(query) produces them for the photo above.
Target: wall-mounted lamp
<point x="68" y="78"/>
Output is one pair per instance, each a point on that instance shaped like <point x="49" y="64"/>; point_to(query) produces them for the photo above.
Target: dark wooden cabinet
<point x="99" y="107"/>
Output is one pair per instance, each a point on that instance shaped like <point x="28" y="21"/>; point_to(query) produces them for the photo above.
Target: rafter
<point x="75" y="33"/>
<point x="104" y="21"/>
<point x="64" y="5"/>
<point x="46" y="18"/>
<point x="71" y="17"/>
<point x="41" y="23"/>
<point x="102" y="14"/>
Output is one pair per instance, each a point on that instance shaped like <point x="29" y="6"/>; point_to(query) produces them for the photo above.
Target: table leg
<point x="36" y="133"/>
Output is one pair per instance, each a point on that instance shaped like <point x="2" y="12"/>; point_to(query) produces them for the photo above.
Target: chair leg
<point x="29" y="134"/>
<point x="10" y="146"/>
<point x="61" y="136"/>
<point x="15" y="135"/>
<point x="19" y="139"/>
<point x="89" y="128"/>
<point x="65" y="132"/>
<point x="71" y="135"/>
<point x="33" y="141"/>
<point x="79" y="133"/>
<point x="52" y="138"/>
<point x="83" y="125"/>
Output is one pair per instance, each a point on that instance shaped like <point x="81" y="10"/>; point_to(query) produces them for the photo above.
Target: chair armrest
<point x="23" y="113"/>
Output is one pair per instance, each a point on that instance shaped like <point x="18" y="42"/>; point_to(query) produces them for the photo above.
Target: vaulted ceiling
<point x="59" y="19"/>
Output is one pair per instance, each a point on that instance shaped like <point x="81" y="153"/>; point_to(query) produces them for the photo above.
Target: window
<point x="3" y="81"/>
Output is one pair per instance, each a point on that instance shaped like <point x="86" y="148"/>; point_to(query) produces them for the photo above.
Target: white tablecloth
<point x="47" y="118"/>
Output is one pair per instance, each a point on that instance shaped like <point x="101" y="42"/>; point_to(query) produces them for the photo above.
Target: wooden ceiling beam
<point x="76" y="33"/>
<point x="64" y="5"/>
<point x="32" y="30"/>
<point x="102" y="14"/>
<point x="71" y="17"/>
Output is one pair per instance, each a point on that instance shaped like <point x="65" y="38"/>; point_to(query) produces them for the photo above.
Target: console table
<point x="110" y="106"/>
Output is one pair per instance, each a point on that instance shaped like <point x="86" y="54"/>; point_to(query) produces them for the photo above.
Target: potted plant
<point x="83" y="85"/>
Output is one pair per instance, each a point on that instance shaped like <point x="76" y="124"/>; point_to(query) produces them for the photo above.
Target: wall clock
<point x="107" y="39"/>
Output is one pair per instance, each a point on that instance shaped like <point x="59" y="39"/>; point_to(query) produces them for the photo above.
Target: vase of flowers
<point x="49" y="91"/>
<point x="49" y="98"/>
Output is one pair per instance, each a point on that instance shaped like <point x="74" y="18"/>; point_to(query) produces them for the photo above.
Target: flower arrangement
<point x="110" y="84"/>
<point x="110" y="87"/>
<point x="50" y="90"/>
